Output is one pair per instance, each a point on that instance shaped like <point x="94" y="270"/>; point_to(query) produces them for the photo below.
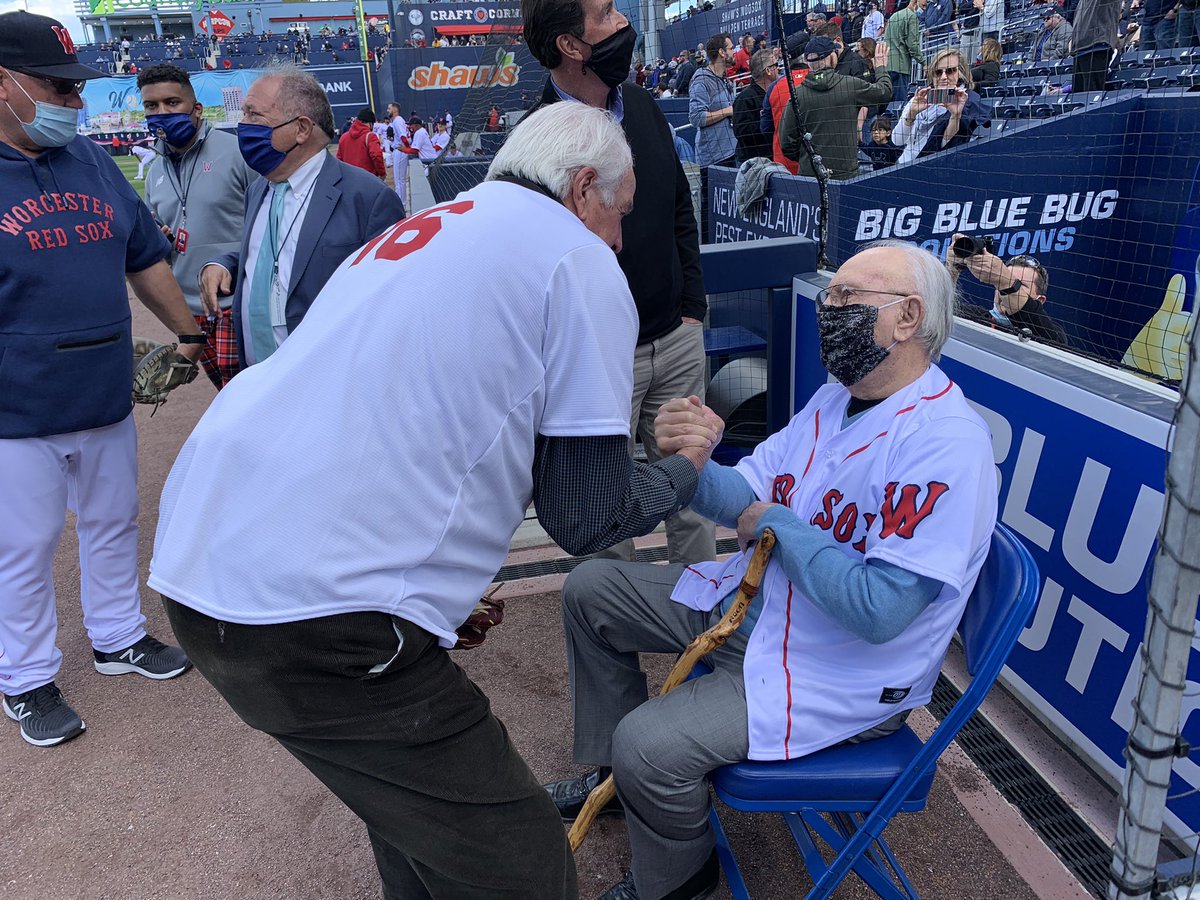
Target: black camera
<point x="967" y="246"/>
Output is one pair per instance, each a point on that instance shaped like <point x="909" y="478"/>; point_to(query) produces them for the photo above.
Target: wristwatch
<point x="1012" y="288"/>
<point x="192" y="338"/>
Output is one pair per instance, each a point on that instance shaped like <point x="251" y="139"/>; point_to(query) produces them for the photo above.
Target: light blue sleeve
<point x="874" y="600"/>
<point x="699" y="99"/>
<point x="722" y="494"/>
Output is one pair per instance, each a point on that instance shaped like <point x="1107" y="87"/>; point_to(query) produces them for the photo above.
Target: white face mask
<point x="52" y="125"/>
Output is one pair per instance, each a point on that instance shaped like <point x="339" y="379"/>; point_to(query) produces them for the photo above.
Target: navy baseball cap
<point x="819" y="47"/>
<point x="40" y="46"/>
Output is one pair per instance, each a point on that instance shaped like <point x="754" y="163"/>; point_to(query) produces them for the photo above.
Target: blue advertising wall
<point x="432" y="81"/>
<point x="754" y="16"/>
<point x="1080" y="448"/>
<point x="113" y="103"/>
<point x="1106" y="198"/>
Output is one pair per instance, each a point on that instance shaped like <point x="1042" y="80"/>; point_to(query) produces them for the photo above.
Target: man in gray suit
<point x="303" y="217"/>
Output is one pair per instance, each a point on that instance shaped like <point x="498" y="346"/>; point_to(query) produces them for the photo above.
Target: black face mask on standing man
<point x="611" y="57"/>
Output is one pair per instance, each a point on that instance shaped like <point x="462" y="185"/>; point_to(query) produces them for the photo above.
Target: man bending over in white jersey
<point x="882" y="495"/>
<point x="364" y="512"/>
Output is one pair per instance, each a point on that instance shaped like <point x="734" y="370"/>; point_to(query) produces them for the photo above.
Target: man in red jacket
<point x="360" y="145"/>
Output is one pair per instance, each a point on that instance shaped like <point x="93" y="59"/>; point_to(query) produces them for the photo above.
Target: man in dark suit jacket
<point x="303" y="217"/>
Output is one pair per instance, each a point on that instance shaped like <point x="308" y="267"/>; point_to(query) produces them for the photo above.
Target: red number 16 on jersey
<point x="412" y="233"/>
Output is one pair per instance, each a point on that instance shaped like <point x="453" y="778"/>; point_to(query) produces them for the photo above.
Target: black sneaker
<point x="570" y="795"/>
<point x="44" y="716"/>
<point x="148" y="657"/>
<point x="702" y="884"/>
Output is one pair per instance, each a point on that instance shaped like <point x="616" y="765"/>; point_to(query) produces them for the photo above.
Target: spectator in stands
<point x="813" y="21"/>
<point x="848" y="63"/>
<point x="360" y="146"/>
<point x="1158" y="24"/>
<point x="452" y="151"/>
<point x="493" y="120"/>
<point x="880" y="149"/>
<point x="991" y="22"/>
<point x="936" y="20"/>
<point x="873" y="22"/>
<point x="683" y="74"/>
<point x="829" y="105"/>
<point x="1054" y="40"/>
<point x="660" y="253"/>
<point x="853" y="25"/>
<point x="1187" y="23"/>
<point x="779" y="97"/>
<point x="1019" y="303"/>
<point x="1092" y="42"/>
<point x="904" y="40"/>
<point x="197" y="193"/>
<point x="710" y="109"/>
<point x="987" y="73"/>
<point x="928" y="127"/>
<point x="751" y="141"/>
<point x="325" y="210"/>
<point x="741" y="59"/>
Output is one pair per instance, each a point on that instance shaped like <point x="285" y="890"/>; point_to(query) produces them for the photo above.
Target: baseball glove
<point x="488" y="613"/>
<point x="159" y="371"/>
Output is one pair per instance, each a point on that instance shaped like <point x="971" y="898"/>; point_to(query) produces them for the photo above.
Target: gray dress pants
<point x="660" y="749"/>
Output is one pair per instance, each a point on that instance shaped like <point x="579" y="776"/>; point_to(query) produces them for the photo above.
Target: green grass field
<point x="129" y="166"/>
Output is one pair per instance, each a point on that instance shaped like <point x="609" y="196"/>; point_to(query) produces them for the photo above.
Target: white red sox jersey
<point x="910" y="482"/>
<point x="395" y="484"/>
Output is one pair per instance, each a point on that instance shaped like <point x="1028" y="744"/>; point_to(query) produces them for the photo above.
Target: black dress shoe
<point x="570" y="795"/>
<point x="700" y="885"/>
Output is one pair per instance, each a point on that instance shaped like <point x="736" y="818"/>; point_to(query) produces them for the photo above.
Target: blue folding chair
<point x="861" y="786"/>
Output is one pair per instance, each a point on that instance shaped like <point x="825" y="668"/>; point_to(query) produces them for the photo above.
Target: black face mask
<point x="611" y="57"/>
<point x="848" y="348"/>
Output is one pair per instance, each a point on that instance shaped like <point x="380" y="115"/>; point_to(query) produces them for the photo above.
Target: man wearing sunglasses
<point x="1019" y="303"/>
<point x="72" y="230"/>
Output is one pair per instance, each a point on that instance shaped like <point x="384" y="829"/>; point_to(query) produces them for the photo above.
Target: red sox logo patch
<point x="901" y="514"/>
<point x="64" y="38"/>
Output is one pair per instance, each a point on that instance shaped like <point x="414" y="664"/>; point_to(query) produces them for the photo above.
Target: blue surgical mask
<point x="255" y="143"/>
<point x="52" y="125"/>
<point x="177" y="129"/>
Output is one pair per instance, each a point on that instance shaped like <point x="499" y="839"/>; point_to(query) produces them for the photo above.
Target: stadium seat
<point x="1166" y="76"/>
<point x="1054" y="105"/>
<point x="1026" y="87"/>
<point x="1011" y="109"/>
<point x="998" y="91"/>
<point x="862" y="786"/>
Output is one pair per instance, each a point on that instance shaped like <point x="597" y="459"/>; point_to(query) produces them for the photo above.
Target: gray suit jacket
<point x="347" y="209"/>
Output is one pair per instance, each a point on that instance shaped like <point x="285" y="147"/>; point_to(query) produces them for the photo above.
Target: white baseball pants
<point x="400" y="173"/>
<point x="94" y="473"/>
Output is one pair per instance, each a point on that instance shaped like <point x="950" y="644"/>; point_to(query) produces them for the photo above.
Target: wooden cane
<point x="700" y="646"/>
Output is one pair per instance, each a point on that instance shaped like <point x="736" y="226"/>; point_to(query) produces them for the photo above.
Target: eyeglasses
<point x="61" y="86"/>
<point x="841" y="295"/>
<point x="938" y="73"/>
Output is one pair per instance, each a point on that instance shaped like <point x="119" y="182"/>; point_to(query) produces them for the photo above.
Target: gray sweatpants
<point x="660" y="749"/>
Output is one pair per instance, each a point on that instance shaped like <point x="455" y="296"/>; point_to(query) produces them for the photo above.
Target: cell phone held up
<point x="940" y="95"/>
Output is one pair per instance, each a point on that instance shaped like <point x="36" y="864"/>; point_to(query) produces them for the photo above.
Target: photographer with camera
<point x="943" y="115"/>
<point x="1019" y="304"/>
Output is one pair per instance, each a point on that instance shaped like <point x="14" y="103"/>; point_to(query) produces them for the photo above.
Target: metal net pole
<point x="1171" y="623"/>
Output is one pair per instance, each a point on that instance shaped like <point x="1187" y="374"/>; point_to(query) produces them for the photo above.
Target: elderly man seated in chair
<point x="882" y="495"/>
